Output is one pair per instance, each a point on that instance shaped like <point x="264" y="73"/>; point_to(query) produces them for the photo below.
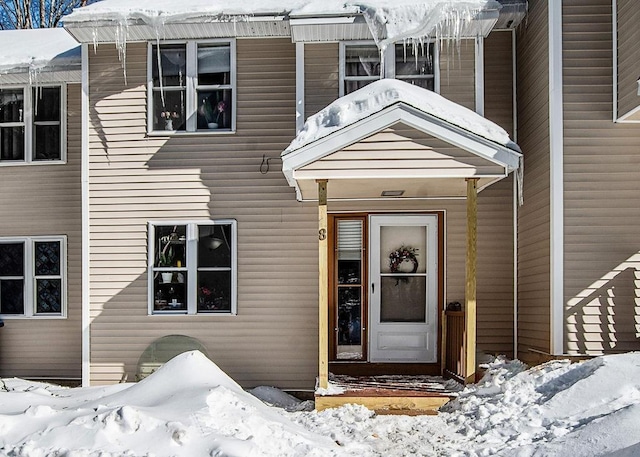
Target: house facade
<point x="183" y="216"/>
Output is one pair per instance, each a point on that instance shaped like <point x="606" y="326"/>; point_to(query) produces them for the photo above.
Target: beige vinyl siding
<point x="602" y="184"/>
<point x="534" y="215"/>
<point x="322" y="76"/>
<point x="498" y="79"/>
<point x="403" y="148"/>
<point x="135" y="179"/>
<point x="46" y="200"/>
<point x="457" y="72"/>
<point x="628" y="55"/>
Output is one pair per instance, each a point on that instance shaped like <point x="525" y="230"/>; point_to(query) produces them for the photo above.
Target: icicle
<point x="94" y="36"/>
<point x="520" y="181"/>
<point x="122" y="30"/>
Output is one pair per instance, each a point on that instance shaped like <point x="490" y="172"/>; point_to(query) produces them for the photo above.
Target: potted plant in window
<point x="212" y="113"/>
<point x="165" y="259"/>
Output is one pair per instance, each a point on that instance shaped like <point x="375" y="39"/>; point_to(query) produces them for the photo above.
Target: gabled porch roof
<point x="392" y="136"/>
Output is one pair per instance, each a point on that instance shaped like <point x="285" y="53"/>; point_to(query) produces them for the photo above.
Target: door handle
<point x="373" y="287"/>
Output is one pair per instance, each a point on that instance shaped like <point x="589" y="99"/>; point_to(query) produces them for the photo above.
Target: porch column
<point x="323" y="297"/>
<point x="470" y="283"/>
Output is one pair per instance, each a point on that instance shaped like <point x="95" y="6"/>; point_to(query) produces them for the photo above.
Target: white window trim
<point x="191" y="105"/>
<point x="29" y="122"/>
<point x="389" y="64"/>
<point x="192" y="267"/>
<point x="30" y="277"/>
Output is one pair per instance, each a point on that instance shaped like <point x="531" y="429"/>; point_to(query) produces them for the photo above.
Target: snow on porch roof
<point x="324" y="149"/>
<point x="37" y="50"/>
<point x="381" y="94"/>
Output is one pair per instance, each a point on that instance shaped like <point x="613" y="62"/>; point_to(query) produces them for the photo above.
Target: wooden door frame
<point x="363" y="367"/>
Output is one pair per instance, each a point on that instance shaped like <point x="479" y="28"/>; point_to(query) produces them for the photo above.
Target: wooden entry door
<point x="403" y="282"/>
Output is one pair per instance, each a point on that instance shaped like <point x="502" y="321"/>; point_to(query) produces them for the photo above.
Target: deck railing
<point x="454" y="353"/>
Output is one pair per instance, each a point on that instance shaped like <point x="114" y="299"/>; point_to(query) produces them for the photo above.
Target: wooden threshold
<point x="409" y="395"/>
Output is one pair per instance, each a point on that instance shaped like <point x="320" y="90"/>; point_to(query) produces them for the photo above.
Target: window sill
<point x="38" y="163"/>
<point x="14" y="317"/>
<point x="184" y="313"/>
<point x="175" y="133"/>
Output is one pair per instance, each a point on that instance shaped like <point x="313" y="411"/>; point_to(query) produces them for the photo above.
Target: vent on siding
<point x="349" y="240"/>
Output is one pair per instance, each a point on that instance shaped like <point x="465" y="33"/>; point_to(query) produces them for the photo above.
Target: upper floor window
<point x="192" y="267"/>
<point x="31" y="124"/>
<point x="32" y="277"/>
<point x="360" y="64"/>
<point x="192" y="86"/>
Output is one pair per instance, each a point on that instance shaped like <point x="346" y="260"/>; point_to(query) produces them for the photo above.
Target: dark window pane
<point x="214" y="109"/>
<point x="12" y="143"/>
<point x="214" y="291"/>
<point x="362" y="61"/>
<point x="47" y="258"/>
<point x="403" y="298"/>
<point x="49" y="296"/>
<point x="349" y="316"/>
<point x="214" y="64"/>
<point x="171" y="246"/>
<point x="352" y="86"/>
<point x="173" y="67"/>
<point x="169" y="112"/>
<point x="411" y="61"/>
<point x="12" y="259"/>
<point x="46" y="104"/>
<point x="11" y="105"/>
<point x="214" y="246"/>
<point x="425" y="83"/>
<point x="12" y="296"/>
<point x="170" y="294"/>
<point x="47" y="142"/>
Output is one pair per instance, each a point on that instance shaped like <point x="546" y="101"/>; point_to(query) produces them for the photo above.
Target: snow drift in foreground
<point x="191" y="408"/>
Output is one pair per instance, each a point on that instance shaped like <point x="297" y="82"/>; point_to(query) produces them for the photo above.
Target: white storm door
<point x="403" y="295"/>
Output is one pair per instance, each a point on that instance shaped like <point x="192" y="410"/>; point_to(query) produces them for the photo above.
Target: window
<point x="191" y="87"/>
<point x="32" y="279"/>
<point x="192" y="267"/>
<point x="31" y="127"/>
<point x="361" y="65"/>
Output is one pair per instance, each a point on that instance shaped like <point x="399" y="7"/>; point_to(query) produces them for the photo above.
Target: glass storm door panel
<point x="349" y="296"/>
<point x="403" y="288"/>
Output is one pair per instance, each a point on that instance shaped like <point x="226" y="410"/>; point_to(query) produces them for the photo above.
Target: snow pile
<point x="34" y="50"/>
<point x="189" y="407"/>
<point x="591" y="408"/>
<point x="381" y="94"/>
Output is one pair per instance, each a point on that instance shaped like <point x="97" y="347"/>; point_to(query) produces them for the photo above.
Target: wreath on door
<point x="403" y="257"/>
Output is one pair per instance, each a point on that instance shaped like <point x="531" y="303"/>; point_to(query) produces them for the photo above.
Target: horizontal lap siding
<point x="495" y="210"/>
<point x="602" y="184"/>
<point x="457" y="72"/>
<point x="628" y="55"/>
<point x="135" y="179"/>
<point x="321" y="74"/>
<point x="534" y="215"/>
<point x="46" y="200"/>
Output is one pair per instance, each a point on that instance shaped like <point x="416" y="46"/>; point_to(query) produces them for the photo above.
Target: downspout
<point x="479" y="73"/>
<point x="86" y="296"/>
<point x="614" y="39"/>
<point x="299" y="87"/>
<point x="515" y="196"/>
<point x="556" y="124"/>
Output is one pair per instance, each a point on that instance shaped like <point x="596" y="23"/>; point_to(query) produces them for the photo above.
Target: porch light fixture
<point x="392" y="193"/>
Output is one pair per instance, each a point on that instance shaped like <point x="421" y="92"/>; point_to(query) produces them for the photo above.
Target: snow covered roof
<point x="387" y="19"/>
<point x="381" y="94"/>
<point x="393" y="135"/>
<point x="32" y="53"/>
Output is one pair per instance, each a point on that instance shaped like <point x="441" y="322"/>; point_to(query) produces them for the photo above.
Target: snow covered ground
<point x="191" y="408"/>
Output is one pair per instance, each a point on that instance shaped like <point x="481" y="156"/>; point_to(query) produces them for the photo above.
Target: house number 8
<point x="322" y="234"/>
